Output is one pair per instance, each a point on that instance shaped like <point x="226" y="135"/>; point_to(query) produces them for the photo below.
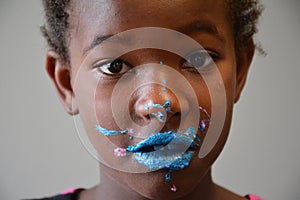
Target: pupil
<point x="198" y="60"/>
<point x="116" y="66"/>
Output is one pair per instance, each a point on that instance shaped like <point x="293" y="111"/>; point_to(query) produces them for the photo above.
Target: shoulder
<point x="253" y="197"/>
<point x="72" y="194"/>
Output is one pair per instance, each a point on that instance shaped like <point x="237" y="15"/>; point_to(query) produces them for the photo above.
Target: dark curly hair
<point x="244" y="15"/>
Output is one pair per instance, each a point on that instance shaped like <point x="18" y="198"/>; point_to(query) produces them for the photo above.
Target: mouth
<point x="168" y="150"/>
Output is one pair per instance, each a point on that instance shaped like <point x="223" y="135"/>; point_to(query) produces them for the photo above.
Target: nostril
<point x="148" y="110"/>
<point x="175" y="114"/>
<point x="159" y="114"/>
<point x="141" y="111"/>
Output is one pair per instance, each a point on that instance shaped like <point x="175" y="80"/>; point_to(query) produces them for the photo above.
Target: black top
<point x="75" y="196"/>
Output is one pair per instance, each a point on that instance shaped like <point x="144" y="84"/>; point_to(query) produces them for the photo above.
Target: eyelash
<point x="104" y="66"/>
<point x="206" y="65"/>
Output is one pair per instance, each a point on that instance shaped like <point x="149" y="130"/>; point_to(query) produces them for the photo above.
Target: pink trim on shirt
<point x="253" y="197"/>
<point x="69" y="191"/>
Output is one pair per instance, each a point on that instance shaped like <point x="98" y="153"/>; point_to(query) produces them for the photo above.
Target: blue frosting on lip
<point x="159" y="139"/>
<point x="163" y="139"/>
<point x="175" y="155"/>
<point x="155" y="161"/>
<point x="171" y="150"/>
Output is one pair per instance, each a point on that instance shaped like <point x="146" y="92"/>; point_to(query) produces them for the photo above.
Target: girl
<point x="155" y="84"/>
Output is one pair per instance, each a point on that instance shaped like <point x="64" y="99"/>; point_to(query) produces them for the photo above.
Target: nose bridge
<point x="149" y="55"/>
<point x="153" y="76"/>
<point x="154" y="82"/>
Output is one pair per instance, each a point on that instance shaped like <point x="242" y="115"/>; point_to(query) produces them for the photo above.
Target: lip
<point x="164" y="150"/>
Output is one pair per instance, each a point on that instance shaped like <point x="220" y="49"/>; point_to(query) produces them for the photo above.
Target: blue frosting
<point x="155" y="161"/>
<point x="167" y="103"/>
<point x="146" y="107"/>
<point x="106" y="132"/>
<point x="172" y="159"/>
<point x="164" y="81"/>
<point x="159" y="139"/>
<point x="161" y="159"/>
<point x="154" y="105"/>
<point x="161" y="116"/>
<point x="168" y="176"/>
<point x="181" y="162"/>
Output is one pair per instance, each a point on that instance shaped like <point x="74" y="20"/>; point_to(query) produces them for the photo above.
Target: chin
<point x="152" y="185"/>
<point x="162" y="191"/>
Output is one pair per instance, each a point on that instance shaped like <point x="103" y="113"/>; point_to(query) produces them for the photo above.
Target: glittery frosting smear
<point x="167" y="150"/>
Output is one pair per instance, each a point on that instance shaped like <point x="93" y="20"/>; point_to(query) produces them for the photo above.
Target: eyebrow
<point x="204" y="27"/>
<point x="195" y="26"/>
<point x="97" y="41"/>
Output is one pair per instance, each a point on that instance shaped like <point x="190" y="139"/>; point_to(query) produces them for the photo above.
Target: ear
<point x="244" y="58"/>
<point x="60" y="74"/>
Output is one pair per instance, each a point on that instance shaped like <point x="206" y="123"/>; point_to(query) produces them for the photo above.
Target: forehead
<point x="109" y="17"/>
<point x="136" y="13"/>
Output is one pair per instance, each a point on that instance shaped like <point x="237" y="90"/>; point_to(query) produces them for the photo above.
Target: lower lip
<point x="174" y="156"/>
<point x="164" y="159"/>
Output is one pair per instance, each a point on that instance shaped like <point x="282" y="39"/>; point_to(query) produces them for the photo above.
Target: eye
<point x="113" y="67"/>
<point x="200" y="60"/>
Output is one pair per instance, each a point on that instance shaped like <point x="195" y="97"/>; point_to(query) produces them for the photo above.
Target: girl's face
<point x="93" y="78"/>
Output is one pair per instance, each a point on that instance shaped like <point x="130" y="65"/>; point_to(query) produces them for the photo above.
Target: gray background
<point x="42" y="155"/>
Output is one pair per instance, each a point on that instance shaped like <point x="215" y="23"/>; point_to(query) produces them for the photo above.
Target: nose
<point x="158" y="102"/>
<point x="155" y="100"/>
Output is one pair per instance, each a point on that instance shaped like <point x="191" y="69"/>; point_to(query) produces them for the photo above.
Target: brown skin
<point x="114" y="16"/>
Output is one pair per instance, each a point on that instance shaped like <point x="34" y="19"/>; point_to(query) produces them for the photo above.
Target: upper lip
<point x="159" y="140"/>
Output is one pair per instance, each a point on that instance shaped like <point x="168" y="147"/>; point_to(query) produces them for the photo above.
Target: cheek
<point x="102" y="105"/>
<point x="224" y="104"/>
<point x="229" y="81"/>
<point x="215" y="92"/>
<point x="84" y="87"/>
<point x="93" y="97"/>
<point x="92" y="102"/>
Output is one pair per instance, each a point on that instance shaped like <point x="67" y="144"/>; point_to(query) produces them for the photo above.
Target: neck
<point x="206" y="189"/>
